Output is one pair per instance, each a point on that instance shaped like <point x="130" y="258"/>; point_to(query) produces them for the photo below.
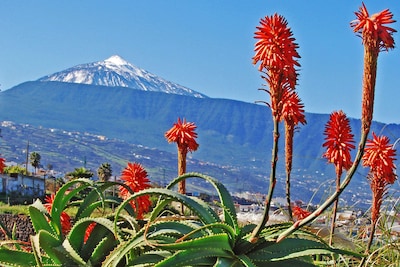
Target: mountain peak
<point x="117" y="72"/>
<point x="116" y="60"/>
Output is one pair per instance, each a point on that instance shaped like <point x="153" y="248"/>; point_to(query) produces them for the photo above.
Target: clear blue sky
<point x="205" y="45"/>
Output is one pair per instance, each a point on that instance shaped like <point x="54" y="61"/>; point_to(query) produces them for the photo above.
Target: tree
<point x="35" y="160"/>
<point x="79" y="173"/>
<point x="104" y="172"/>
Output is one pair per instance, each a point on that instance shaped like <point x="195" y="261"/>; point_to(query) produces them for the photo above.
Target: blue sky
<point x="204" y="45"/>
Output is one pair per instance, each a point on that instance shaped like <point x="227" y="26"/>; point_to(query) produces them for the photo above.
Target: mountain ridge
<point x="117" y="72"/>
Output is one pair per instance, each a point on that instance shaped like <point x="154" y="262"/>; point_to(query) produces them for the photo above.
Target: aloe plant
<point x="211" y="239"/>
<point x="50" y="247"/>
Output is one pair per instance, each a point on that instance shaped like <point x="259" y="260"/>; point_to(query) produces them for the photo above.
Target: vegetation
<point x="35" y="160"/>
<point x="104" y="172"/>
<point x="83" y="225"/>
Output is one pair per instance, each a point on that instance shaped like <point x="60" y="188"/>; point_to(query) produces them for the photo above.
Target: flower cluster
<point x="372" y="29"/>
<point x="375" y="36"/>
<point x="379" y="156"/>
<point x="183" y="134"/>
<point x="339" y="141"/>
<point x="276" y="50"/>
<point x="299" y="213"/>
<point x="135" y="177"/>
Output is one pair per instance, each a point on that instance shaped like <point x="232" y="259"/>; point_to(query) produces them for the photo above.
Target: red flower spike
<point x="299" y="213"/>
<point x="64" y="219"/>
<point x="379" y="155"/>
<point x="339" y="140"/>
<point x="184" y="135"/>
<point x="292" y="108"/>
<point x="372" y="29"/>
<point x="375" y="37"/>
<point x="135" y="177"/>
<point x="2" y="165"/>
<point x="275" y="48"/>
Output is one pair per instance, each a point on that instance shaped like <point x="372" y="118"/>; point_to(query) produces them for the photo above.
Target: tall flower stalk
<point x="375" y="37"/>
<point x="276" y="52"/>
<point x="292" y="114"/>
<point x="135" y="177"/>
<point x="379" y="156"/>
<point x="339" y="141"/>
<point x="183" y="134"/>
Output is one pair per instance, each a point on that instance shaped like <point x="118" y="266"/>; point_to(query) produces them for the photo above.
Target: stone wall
<point x="23" y="226"/>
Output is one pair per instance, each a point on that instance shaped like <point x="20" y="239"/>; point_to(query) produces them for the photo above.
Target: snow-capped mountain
<point x="115" y="71"/>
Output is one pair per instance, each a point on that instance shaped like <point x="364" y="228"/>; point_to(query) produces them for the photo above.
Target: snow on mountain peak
<point x="116" y="60"/>
<point x="117" y="72"/>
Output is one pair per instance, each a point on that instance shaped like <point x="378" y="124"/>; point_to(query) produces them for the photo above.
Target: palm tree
<point x="35" y="160"/>
<point x="80" y="173"/>
<point x="104" y="172"/>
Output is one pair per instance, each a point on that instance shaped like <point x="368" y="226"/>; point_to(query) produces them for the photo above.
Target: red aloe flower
<point x="379" y="155"/>
<point x="276" y="50"/>
<point x="2" y="165"/>
<point x="372" y="29"/>
<point x="64" y="219"/>
<point x="135" y="177"/>
<point x="339" y="141"/>
<point x="300" y="213"/>
<point x="184" y="135"/>
<point x="293" y="114"/>
<point x="375" y="37"/>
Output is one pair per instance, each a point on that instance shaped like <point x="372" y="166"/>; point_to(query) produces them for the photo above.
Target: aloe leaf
<point x="103" y="248"/>
<point x="245" y="260"/>
<point x="62" y="198"/>
<point x="13" y="258"/>
<point x="224" y="196"/>
<point x="227" y="262"/>
<point x="220" y="241"/>
<point x="199" y="257"/>
<point x="149" y="259"/>
<point x="39" y="220"/>
<point x="52" y="246"/>
<point x="201" y="209"/>
<point x="290" y="248"/>
<point x="292" y="262"/>
<point x="122" y="250"/>
<point x="73" y="254"/>
<point x="94" y="199"/>
<point x="77" y="233"/>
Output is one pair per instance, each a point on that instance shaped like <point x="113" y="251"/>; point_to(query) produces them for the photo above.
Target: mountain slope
<point x="117" y="72"/>
<point x="232" y="134"/>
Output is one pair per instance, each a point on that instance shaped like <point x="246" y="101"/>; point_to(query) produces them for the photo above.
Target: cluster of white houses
<point x="22" y="184"/>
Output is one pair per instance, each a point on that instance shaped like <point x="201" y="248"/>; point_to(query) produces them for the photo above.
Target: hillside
<point x="231" y="133"/>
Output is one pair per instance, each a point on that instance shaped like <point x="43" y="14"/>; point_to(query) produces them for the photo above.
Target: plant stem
<point x="289" y="132"/>
<point x="272" y="182"/>
<point x="335" y="205"/>
<point x="334" y="196"/>
<point x="371" y="238"/>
